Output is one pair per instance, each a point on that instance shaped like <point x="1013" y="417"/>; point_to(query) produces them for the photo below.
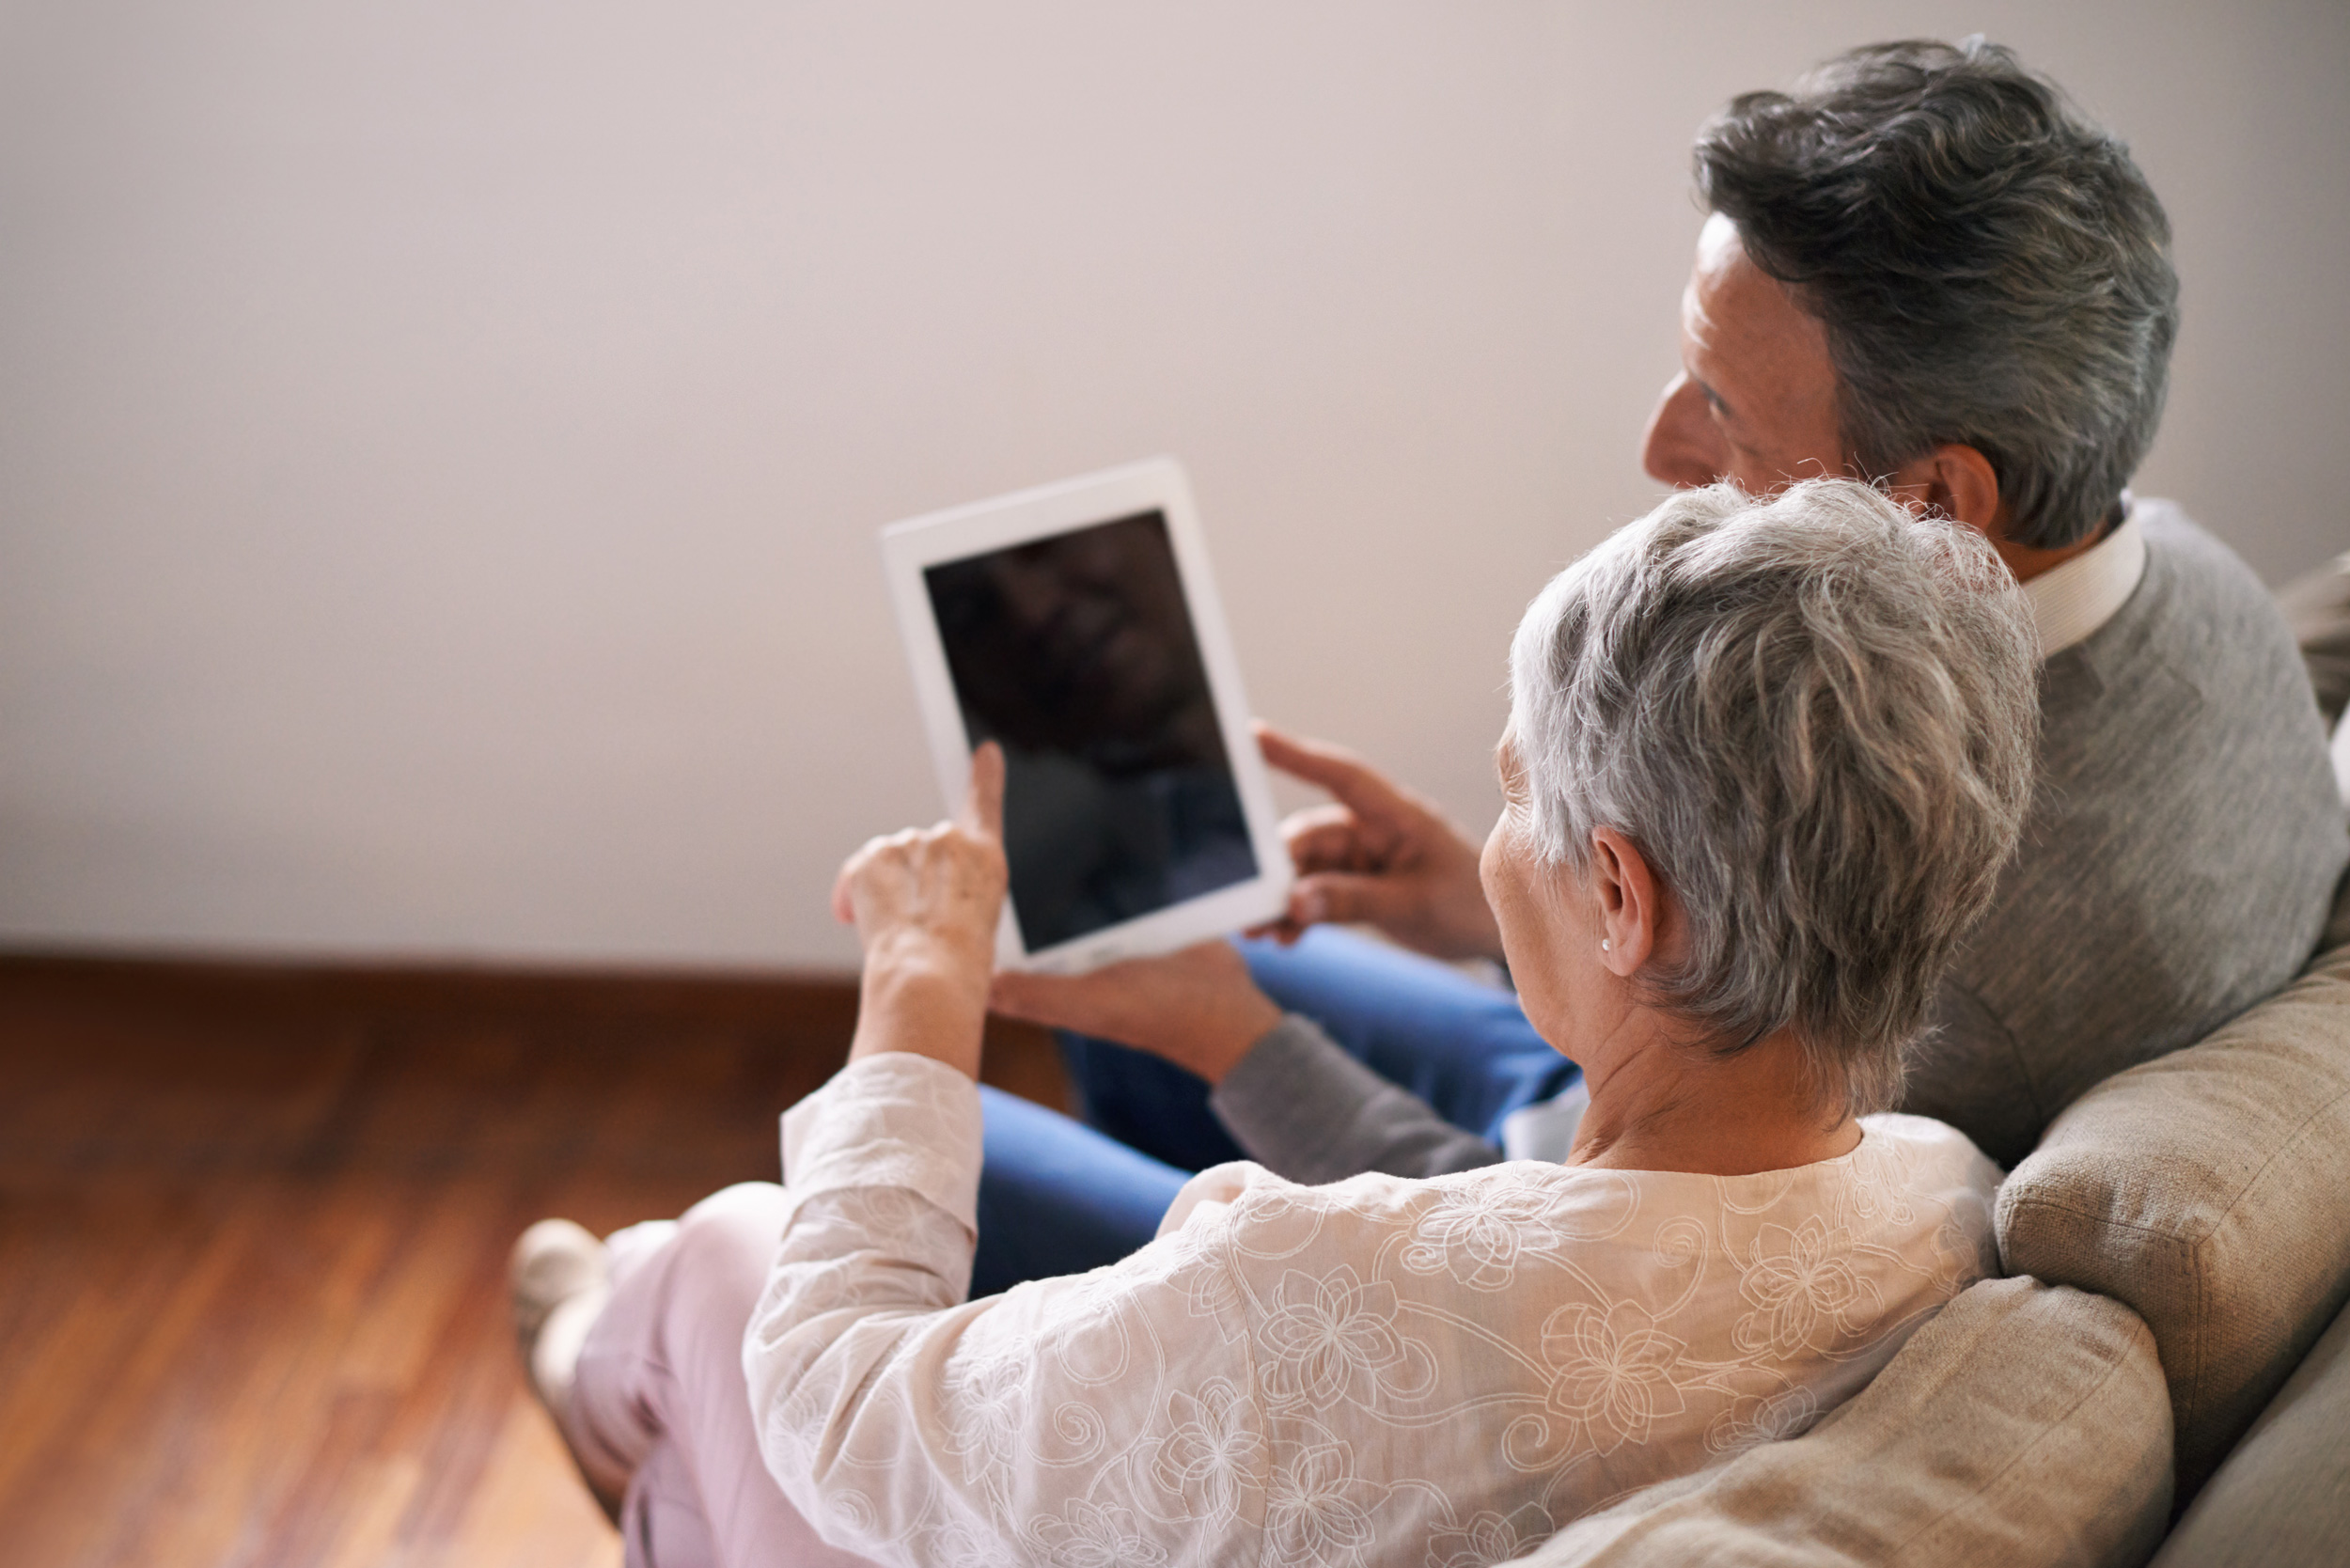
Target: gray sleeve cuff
<point x="1304" y="1109"/>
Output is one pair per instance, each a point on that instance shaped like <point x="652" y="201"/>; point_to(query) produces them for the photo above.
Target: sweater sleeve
<point x="1307" y="1110"/>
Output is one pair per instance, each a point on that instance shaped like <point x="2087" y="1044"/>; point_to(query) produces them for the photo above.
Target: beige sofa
<point x="2171" y="1337"/>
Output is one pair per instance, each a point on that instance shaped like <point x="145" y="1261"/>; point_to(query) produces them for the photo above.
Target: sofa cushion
<point x="2283" y="1499"/>
<point x="2317" y="604"/>
<point x="2207" y="1190"/>
<point x="2024" y="1424"/>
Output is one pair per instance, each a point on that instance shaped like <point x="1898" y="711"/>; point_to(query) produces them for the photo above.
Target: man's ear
<point x="1958" y="482"/>
<point x="1630" y="905"/>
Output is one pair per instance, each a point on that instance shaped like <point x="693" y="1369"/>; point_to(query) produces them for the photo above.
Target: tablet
<point x="1076" y="626"/>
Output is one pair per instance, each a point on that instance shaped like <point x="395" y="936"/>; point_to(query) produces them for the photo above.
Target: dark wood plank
<point x="253" y="1227"/>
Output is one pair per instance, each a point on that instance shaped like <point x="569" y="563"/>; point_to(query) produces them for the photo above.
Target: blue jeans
<point x="1060" y="1196"/>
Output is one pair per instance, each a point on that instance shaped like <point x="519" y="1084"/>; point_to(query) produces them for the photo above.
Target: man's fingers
<point x="1113" y="999"/>
<point x="984" y="807"/>
<point x="1343" y="897"/>
<point x="1059" y="1001"/>
<point x="1335" y="769"/>
<point x="1015" y="995"/>
<point x="1314" y="818"/>
<point x="1327" y="839"/>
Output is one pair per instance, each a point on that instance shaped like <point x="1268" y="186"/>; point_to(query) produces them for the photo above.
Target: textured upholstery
<point x="2317" y="603"/>
<point x="2025" y="1424"/>
<point x="2207" y="1190"/>
<point x="2283" y="1499"/>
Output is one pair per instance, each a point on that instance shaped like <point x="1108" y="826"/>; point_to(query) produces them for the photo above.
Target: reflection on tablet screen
<point x="1076" y="653"/>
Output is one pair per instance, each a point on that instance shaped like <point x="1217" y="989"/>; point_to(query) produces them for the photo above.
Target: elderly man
<point x="1922" y="268"/>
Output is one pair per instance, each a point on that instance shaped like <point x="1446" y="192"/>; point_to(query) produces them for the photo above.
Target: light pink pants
<point x="660" y="1395"/>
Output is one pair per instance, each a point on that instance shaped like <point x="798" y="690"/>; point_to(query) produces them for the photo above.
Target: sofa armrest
<point x="2317" y="603"/>
<point x="2282" y="1499"/>
<point x="2025" y="1424"/>
<point x="2204" y="1189"/>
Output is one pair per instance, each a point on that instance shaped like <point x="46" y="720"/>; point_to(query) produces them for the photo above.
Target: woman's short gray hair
<point x="1817" y="717"/>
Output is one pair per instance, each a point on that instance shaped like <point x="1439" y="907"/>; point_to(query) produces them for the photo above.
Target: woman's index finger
<point x="983" y="806"/>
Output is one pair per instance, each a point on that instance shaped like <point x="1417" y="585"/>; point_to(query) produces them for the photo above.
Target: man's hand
<point x="1196" y="1007"/>
<point x="925" y="903"/>
<point x="1380" y="855"/>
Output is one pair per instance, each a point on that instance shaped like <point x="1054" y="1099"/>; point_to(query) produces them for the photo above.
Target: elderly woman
<point x="1763" y="762"/>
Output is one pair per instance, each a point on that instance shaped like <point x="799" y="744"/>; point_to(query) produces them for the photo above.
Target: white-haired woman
<point x="1764" y="761"/>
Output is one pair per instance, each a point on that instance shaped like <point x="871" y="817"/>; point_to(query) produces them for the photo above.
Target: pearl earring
<point x="1604" y="945"/>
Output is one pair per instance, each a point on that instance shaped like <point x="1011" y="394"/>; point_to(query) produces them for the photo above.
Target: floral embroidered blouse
<point x="1382" y="1371"/>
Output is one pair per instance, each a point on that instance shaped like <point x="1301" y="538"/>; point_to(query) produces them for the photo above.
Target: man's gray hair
<point x="1817" y="717"/>
<point x="1992" y="269"/>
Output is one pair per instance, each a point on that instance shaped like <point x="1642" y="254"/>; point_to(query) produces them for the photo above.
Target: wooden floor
<point x="253" y="1233"/>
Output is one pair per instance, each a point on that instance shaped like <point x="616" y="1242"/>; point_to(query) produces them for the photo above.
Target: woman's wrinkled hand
<point x="926" y="902"/>
<point x="1196" y="1007"/>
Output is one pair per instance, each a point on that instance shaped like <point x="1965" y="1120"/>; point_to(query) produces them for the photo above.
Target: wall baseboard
<point x="808" y="1014"/>
<point x="279" y="986"/>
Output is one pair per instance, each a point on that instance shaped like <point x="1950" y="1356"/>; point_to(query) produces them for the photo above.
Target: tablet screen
<point x="1076" y="653"/>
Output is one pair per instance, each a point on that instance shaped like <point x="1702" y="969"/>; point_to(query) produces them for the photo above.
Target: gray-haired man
<point x="1924" y="268"/>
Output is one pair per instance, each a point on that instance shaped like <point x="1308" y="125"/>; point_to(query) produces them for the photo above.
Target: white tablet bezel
<point x="1158" y="485"/>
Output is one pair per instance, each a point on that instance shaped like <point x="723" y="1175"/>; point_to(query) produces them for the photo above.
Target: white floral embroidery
<point x="855" y="1510"/>
<point x="1881" y="1185"/>
<point x="1612" y="1371"/>
<point x="1320" y="1510"/>
<point x="1753" y="1419"/>
<point x="1095" y="1535"/>
<point x="1477" y="1237"/>
<point x="1803" y="1289"/>
<point x="989" y="1396"/>
<point x="1083" y="1300"/>
<point x="1211" y="1452"/>
<point x="1489" y="1538"/>
<point x="1329" y="1339"/>
<point x="1210" y="1289"/>
<point x="972" y="1544"/>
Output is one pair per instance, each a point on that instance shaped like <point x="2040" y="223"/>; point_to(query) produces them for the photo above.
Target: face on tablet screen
<point x="1076" y="653"/>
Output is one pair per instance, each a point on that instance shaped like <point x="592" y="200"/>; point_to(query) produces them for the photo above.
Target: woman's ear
<point x="1630" y="908"/>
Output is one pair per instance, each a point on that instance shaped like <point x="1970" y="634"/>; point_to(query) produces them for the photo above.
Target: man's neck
<point x="2026" y="563"/>
<point x="2029" y="561"/>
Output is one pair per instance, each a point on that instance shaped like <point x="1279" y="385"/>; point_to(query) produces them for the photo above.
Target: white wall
<point x="440" y="443"/>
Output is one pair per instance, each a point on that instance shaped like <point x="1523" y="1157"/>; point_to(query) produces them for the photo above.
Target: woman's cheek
<point x="1493" y="870"/>
<point x="1500" y="869"/>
